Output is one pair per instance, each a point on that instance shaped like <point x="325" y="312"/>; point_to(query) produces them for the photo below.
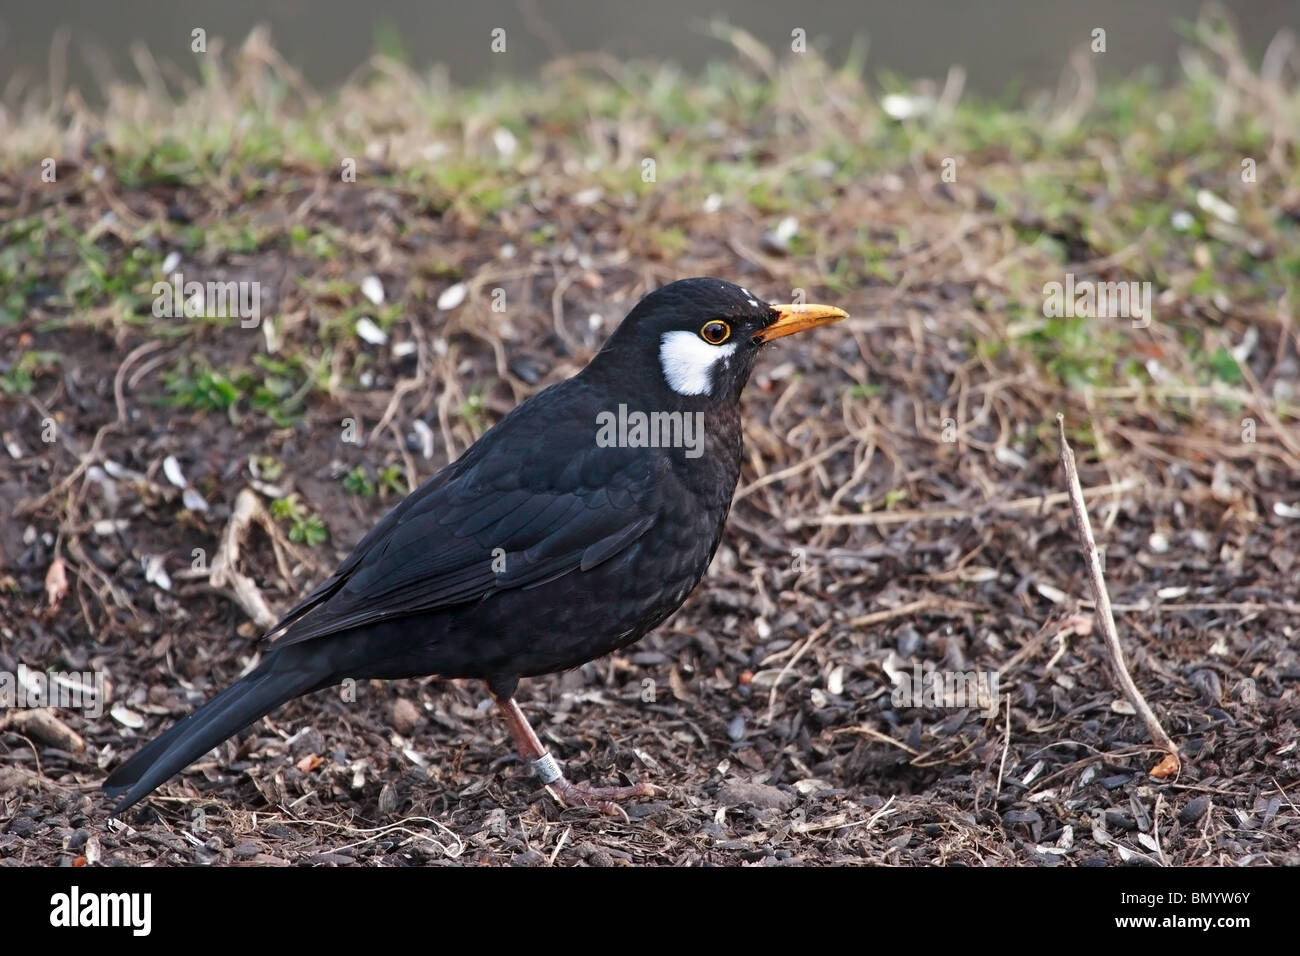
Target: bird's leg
<point x="548" y="770"/>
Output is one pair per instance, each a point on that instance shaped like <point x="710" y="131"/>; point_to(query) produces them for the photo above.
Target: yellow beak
<point x="797" y="317"/>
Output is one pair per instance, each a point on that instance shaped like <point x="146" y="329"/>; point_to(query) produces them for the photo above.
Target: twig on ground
<point x="812" y="639"/>
<point x="1006" y="747"/>
<point x="1171" y="764"/>
<point x="874" y="734"/>
<point x="247" y="512"/>
<point x="41" y="723"/>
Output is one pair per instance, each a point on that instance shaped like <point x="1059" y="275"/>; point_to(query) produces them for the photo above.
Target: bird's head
<point x="698" y="338"/>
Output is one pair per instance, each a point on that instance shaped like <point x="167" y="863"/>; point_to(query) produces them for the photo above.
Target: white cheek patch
<point x="688" y="361"/>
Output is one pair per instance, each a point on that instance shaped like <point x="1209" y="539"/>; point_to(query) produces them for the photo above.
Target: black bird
<point x="570" y="529"/>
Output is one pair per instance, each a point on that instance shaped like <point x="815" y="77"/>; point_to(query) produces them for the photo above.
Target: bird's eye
<point x="715" y="332"/>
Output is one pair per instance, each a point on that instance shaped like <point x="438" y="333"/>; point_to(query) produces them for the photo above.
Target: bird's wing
<point x="510" y="514"/>
<point x="323" y="591"/>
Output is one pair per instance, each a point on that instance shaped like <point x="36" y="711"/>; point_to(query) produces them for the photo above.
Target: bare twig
<point x="41" y="723"/>
<point x="1006" y="747"/>
<point x="811" y="640"/>
<point x="1101" y="597"/>
<point x="910" y="609"/>
<point x="874" y="734"/>
<point x="224" y="574"/>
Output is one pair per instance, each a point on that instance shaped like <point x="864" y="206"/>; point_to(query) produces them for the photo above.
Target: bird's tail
<point x="273" y="682"/>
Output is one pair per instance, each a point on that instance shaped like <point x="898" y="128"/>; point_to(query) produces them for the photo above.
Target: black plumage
<point x="541" y="548"/>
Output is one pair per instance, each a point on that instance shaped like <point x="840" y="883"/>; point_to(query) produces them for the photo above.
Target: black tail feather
<point x="251" y="697"/>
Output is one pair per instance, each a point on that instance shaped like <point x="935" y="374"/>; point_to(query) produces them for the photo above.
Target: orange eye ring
<point x="715" y="331"/>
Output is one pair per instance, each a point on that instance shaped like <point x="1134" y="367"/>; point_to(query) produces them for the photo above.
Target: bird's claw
<point x="603" y="799"/>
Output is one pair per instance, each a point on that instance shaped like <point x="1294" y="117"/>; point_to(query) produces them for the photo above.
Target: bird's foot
<point x="604" y="799"/>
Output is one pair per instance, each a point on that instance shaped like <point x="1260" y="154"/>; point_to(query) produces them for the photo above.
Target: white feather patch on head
<point x="688" y="361"/>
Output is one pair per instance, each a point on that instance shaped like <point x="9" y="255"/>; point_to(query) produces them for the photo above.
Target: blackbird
<point x="570" y="529"/>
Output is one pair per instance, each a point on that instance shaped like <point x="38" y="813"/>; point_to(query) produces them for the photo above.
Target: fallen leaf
<point x="56" y="583"/>
<point x="310" y="762"/>
<point x="1166" y="768"/>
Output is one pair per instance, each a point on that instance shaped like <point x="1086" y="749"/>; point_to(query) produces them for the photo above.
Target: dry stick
<point x="1006" y="748"/>
<point x="926" y="603"/>
<point x="874" y="734"/>
<point x="812" y="639"/>
<point x="1101" y="599"/>
<point x="42" y="724"/>
<point x="224" y="574"/>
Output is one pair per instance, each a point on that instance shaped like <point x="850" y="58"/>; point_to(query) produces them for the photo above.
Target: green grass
<point x="304" y="527"/>
<point x="242" y="152"/>
<point x="275" y="388"/>
<point x="388" y="482"/>
<point x="21" y="377"/>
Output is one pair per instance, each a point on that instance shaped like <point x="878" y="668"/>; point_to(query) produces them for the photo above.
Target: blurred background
<point x="1004" y="46"/>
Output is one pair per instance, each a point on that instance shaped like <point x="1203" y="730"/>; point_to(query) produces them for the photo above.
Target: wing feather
<point x="509" y="514"/>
